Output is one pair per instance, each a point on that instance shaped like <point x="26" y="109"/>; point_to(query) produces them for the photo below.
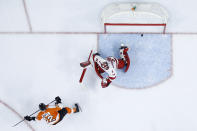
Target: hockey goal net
<point x="134" y="17"/>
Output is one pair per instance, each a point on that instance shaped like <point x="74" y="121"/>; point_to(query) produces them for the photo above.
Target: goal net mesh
<point x="145" y="16"/>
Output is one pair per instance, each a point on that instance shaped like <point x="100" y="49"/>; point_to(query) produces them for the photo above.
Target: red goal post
<point x="134" y="15"/>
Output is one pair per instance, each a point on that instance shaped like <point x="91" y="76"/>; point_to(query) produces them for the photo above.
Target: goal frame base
<point x="134" y="24"/>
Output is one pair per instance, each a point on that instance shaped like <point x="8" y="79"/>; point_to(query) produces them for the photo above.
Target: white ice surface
<point x="84" y="15"/>
<point x="6" y="116"/>
<point x="12" y="16"/>
<point x="36" y="68"/>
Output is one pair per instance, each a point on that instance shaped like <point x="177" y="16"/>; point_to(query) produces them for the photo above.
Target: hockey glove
<point x="28" y="118"/>
<point x="77" y="107"/>
<point x="58" y="100"/>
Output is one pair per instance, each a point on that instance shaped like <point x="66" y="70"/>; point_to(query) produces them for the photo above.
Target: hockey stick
<point x="83" y="65"/>
<point x="82" y="75"/>
<point x="31" y="115"/>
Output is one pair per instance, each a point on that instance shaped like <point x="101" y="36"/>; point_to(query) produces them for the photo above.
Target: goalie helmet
<point x="42" y="106"/>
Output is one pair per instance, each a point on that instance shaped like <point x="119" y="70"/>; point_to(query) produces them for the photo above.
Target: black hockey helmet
<point x="42" y="106"/>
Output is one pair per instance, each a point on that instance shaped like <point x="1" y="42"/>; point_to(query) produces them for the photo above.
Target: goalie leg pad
<point x="98" y="70"/>
<point x="121" y="64"/>
<point x="125" y="57"/>
<point x="127" y="62"/>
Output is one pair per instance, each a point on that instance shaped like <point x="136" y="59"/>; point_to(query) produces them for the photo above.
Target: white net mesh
<point x="138" y="13"/>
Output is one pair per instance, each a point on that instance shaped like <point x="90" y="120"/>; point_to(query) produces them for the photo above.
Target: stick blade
<point x="85" y="64"/>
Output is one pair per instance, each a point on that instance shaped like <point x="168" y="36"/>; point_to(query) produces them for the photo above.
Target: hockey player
<point x="53" y="115"/>
<point x="110" y="64"/>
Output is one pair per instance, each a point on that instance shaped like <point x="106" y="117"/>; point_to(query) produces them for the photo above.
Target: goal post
<point x="134" y="16"/>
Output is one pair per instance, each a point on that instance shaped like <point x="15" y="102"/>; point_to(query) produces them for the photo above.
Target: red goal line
<point x="134" y="24"/>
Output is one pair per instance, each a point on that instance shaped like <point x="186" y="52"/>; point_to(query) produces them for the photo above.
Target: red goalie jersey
<point x="110" y="64"/>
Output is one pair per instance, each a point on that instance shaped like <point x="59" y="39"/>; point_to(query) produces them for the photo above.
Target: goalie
<point x="110" y="64"/>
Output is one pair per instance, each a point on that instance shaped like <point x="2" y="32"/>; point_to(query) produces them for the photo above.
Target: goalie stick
<point x="84" y="65"/>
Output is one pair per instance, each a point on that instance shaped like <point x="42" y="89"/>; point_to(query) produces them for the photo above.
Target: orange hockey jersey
<point x="50" y="115"/>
